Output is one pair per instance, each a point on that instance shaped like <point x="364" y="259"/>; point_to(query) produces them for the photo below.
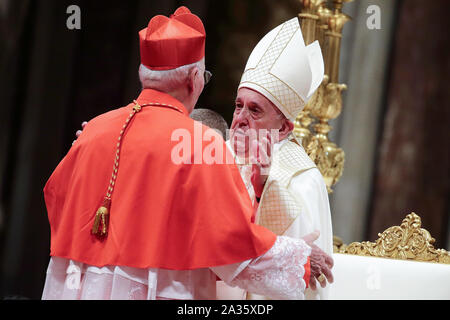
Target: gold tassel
<point x="102" y="216"/>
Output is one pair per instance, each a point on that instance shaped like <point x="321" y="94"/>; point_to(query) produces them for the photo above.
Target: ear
<point x="191" y="79"/>
<point x="286" y="128"/>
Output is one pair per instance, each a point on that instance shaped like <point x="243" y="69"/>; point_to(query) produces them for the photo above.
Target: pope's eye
<point x="255" y="111"/>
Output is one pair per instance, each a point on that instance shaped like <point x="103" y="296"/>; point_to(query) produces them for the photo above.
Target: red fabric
<point x="162" y="215"/>
<point x="172" y="42"/>
<point x="307" y="274"/>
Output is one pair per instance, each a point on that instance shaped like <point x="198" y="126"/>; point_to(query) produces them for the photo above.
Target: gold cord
<point x="102" y="215"/>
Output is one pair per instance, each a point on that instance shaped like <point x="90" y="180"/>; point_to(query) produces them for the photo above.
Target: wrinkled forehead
<point x="252" y="97"/>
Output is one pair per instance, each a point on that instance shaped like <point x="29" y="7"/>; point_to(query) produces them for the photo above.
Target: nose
<point x="242" y="115"/>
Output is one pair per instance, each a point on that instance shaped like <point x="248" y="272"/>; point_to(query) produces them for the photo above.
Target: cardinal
<point x="128" y="222"/>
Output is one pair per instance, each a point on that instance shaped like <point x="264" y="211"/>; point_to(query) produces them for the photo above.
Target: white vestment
<point x="278" y="273"/>
<point x="294" y="203"/>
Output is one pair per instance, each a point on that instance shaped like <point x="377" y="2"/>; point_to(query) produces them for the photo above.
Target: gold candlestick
<point x="322" y="26"/>
<point x="333" y="36"/>
<point x="325" y="25"/>
<point x="330" y="158"/>
<point x="308" y="19"/>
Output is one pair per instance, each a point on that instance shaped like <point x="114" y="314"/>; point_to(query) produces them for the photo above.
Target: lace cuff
<point x="278" y="273"/>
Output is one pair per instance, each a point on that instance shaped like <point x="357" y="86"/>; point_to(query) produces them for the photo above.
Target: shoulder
<point x="292" y="155"/>
<point x="310" y="179"/>
<point x="289" y="160"/>
<point x="108" y="116"/>
<point x="311" y="175"/>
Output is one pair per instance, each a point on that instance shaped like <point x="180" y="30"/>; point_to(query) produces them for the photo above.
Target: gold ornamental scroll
<point x="405" y="242"/>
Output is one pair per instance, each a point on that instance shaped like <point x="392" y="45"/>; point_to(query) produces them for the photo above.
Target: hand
<point x="260" y="157"/>
<point x="320" y="262"/>
<point x="79" y="131"/>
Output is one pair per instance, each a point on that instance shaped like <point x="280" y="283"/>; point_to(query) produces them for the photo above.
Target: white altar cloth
<point x="371" y="278"/>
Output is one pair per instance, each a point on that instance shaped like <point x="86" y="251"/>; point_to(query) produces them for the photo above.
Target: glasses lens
<point x="207" y="75"/>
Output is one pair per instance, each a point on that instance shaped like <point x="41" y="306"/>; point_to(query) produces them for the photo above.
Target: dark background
<point x="52" y="79"/>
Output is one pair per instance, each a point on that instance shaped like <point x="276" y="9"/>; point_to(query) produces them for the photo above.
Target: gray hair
<point x="167" y="80"/>
<point x="211" y="119"/>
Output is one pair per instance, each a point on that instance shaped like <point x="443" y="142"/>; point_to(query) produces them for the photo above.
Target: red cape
<point x="162" y="215"/>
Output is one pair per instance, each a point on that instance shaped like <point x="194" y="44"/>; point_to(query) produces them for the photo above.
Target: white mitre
<point x="284" y="70"/>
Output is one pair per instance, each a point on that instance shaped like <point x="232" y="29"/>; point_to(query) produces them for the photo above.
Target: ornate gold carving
<point x="406" y="242"/>
<point x="326" y="103"/>
<point x="310" y="6"/>
<point x="331" y="159"/>
<point x="337" y="244"/>
<point x="304" y="120"/>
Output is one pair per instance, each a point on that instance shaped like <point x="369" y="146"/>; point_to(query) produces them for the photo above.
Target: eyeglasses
<point x="207" y="76"/>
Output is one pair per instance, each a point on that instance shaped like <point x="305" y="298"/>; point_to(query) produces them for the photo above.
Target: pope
<point x="281" y="75"/>
<point x="128" y="223"/>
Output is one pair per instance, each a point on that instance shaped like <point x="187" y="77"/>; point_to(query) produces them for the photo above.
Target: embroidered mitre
<point x="283" y="69"/>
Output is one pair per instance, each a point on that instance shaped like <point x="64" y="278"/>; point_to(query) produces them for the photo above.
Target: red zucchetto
<point x="171" y="42"/>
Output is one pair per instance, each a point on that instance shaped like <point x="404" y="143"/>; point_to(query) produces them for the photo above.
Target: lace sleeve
<point x="277" y="274"/>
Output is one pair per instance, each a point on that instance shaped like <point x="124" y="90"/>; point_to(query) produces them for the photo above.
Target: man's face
<point x="252" y="113"/>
